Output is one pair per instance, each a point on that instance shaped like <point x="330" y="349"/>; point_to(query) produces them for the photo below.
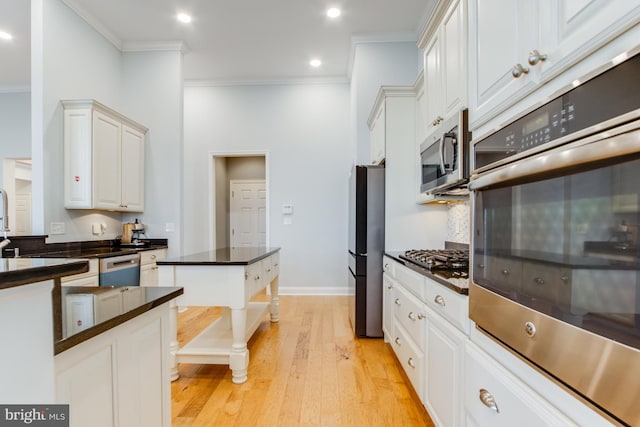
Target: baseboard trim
<point x="303" y="290"/>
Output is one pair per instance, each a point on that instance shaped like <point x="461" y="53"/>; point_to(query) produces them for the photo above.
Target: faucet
<point x="5" y="221"/>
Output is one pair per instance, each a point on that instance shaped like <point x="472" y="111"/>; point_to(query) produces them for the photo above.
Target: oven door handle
<point x="622" y="141"/>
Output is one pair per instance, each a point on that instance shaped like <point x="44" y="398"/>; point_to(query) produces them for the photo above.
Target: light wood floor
<point x="306" y="370"/>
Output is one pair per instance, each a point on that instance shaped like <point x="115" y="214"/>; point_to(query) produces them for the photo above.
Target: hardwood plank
<point x="306" y="370"/>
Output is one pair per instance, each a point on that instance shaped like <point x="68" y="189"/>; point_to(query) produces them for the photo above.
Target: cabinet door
<point x="132" y="170"/>
<point x="88" y="387"/>
<point x="575" y="28"/>
<point x="377" y="135"/>
<point x="107" y="155"/>
<point x="77" y="159"/>
<point x="387" y="307"/>
<point x="445" y="352"/>
<point x="503" y="35"/>
<point x="433" y="83"/>
<point x="453" y="60"/>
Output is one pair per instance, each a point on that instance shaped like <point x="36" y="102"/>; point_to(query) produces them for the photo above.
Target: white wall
<point x="153" y="95"/>
<point x="73" y="61"/>
<point x="15" y="125"/>
<point x="304" y="130"/>
<point x="376" y="64"/>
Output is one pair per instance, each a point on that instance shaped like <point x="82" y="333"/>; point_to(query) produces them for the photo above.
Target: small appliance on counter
<point x="132" y="233"/>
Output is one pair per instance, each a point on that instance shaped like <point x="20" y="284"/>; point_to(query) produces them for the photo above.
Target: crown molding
<point x="94" y="22"/>
<point x="274" y="82"/>
<point x="432" y="21"/>
<point x="153" y="46"/>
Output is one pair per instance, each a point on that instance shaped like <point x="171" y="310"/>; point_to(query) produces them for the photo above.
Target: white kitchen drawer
<point x="93" y="271"/>
<point x="412" y="281"/>
<point x="388" y="266"/>
<point x="411" y="314"/>
<point x="253" y="277"/>
<point x="451" y="305"/>
<point x="150" y="257"/>
<point x="514" y="403"/>
<point x="410" y="357"/>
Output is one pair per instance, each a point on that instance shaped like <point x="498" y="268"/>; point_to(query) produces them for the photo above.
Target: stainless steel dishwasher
<point x="120" y="270"/>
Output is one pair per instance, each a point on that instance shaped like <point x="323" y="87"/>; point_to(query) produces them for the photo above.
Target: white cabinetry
<point x="119" y="377"/>
<point x="377" y="133"/>
<point x="445" y="62"/>
<point x="387" y="298"/>
<point x="103" y="158"/>
<point x="518" y="46"/>
<point x="148" y="268"/>
<point x="90" y="278"/>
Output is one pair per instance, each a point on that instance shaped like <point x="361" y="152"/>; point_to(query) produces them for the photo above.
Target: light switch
<point x="287" y="209"/>
<point x="57" y="228"/>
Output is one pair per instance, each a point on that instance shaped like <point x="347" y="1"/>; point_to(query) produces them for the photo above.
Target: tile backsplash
<point x="458" y="222"/>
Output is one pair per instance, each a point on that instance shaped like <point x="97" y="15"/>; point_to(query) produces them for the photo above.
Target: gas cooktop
<point x="441" y="259"/>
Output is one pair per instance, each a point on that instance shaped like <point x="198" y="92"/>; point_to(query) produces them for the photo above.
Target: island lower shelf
<point x="213" y="345"/>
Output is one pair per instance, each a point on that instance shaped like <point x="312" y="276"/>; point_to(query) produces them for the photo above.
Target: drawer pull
<point x="539" y="280"/>
<point x="412" y="316"/>
<point x="505" y="272"/>
<point x="439" y="300"/>
<point x="246" y="275"/>
<point x="268" y="270"/>
<point x="487" y="400"/>
<point x="421" y="316"/>
<point x="257" y="277"/>
<point x="389" y="287"/>
<point x="411" y="363"/>
<point x="397" y="340"/>
<point x="397" y="301"/>
<point x="153" y="257"/>
<point x="564" y="278"/>
<point x="386" y="267"/>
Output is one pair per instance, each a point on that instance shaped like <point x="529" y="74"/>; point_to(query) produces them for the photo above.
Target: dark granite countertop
<point x="97" y="252"/>
<point x="448" y="278"/>
<point x="22" y="271"/>
<point x="223" y="256"/>
<point x="146" y="298"/>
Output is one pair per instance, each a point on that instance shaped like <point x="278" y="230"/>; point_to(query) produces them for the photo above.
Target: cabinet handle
<point x="518" y="70"/>
<point x="439" y="300"/>
<point x="153" y="257"/>
<point x="535" y="57"/>
<point x="397" y="340"/>
<point x="564" y="278"/>
<point x="246" y="275"/>
<point x="257" y="277"/>
<point x="389" y="287"/>
<point x="437" y="121"/>
<point x="487" y="400"/>
<point x="421" y="316"/>
<point x="505" y="272"/>
<point x="154" y="268"/>
<point x="397" y="301"/>
<point x="480" y="265"/>
<point x="539" y="280"/>
<point x="268" y="270"/>
<point x="411" y="363"/>
<point x="412" y="316"/>
<point x="386" y="267"/>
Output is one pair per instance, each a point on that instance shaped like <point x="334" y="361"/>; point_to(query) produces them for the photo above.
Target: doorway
<point x="239" y="200"/>
<point x="16" y="180"/>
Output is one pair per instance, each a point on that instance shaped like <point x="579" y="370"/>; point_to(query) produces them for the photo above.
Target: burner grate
<point x="438" y="258"/>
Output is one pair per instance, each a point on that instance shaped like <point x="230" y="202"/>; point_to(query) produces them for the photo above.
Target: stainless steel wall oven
<point x="556" y="229"/>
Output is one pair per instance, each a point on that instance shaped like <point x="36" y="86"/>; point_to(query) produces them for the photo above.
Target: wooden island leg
<point x="239" y="357"/>
<point x="274" y="307"/>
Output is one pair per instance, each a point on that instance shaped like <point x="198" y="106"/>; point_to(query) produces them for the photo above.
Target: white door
<point x="22" y="223"/>
<point x="248" y="213"/>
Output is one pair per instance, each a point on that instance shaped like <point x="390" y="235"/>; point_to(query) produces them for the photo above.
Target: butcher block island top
<point x="223" y="256"/>
<point x="226" y="278"/>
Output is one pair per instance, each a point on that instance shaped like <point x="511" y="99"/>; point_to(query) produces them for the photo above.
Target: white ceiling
<point x="231" y="40"/>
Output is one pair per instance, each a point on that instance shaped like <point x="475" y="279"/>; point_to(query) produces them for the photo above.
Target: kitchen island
<point x="226" y="278"/>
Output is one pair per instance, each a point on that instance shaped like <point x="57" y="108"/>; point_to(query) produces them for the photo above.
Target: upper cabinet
<point x="518" y="45"/>
<point x="445" y="64"/>
<point x="103" y="158"/>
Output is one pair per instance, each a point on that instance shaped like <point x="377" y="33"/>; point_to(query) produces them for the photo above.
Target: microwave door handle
<point x="442" y="168"/>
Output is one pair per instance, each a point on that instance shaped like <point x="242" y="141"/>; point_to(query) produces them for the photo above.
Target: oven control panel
<point x="610" y="94"/>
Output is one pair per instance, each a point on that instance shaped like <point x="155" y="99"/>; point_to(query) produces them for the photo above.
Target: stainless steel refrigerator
<point x="366" y="246"/>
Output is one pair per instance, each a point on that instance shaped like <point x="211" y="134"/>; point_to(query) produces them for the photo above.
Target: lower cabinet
<point x="495" y="397"/>
<point x="148" y="267"/>
<point x="120" y="377"/>
<point x="445" y="345"/>
<point x="90" y="278"/>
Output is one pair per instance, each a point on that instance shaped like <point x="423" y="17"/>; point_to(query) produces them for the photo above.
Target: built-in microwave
<point x="444" y="156"/>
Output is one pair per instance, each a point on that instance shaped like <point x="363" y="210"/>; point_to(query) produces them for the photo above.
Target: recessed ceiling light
<point x="333" y="12"/>
<point x="315" y="63"/>
<point x="183" y="17"/>
<point x="5" y="36"/>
